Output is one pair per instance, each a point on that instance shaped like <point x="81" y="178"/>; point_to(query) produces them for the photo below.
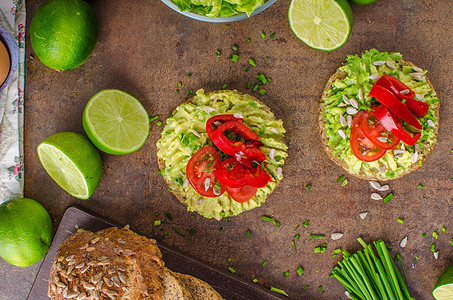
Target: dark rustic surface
<point x="145" y="48"/>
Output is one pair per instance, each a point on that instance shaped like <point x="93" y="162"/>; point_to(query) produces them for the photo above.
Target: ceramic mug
<point x="13" y="51"/>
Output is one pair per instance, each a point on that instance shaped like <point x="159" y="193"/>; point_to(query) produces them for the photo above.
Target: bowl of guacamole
<point x="218" y="11"/>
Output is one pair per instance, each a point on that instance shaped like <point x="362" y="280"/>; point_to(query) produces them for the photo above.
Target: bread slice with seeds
<point x="174" y="288"/>
<point x="199" y="289"/>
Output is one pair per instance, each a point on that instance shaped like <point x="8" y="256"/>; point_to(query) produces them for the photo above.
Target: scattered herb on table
<point x="282" y="292"/>
<point x="179" y="232"/>
<point x="388" y="198"/>
<point x="231" y="270"/>
<point x="300" y="271"/>
<point x="317" y="236"/>
<point x="306" y="223"/>
<point x="286" y="274"/>
<point x="248" y="233"/>
<point x="154" y="118"/>
<point x="294" y="245"/>
<point x="400" y="221"/>
<point x="435" y="234"/>
<point x="264" y="263"/>
<point x="159" y="123"/>
<point x="252" y="62"/>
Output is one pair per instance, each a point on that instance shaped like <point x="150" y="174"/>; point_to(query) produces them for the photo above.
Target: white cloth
<point x="12" y="19"/>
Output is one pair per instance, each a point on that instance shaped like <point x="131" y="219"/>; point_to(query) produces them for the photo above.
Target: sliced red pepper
<point x="373" y="129"/>
<point x="387" y="98"/>
<point x="393" y="124"/>
<point x="218" y="119"/>
<point x="233" y="174"/>
<point x="361" y="146"/>
<point x="419" y="108"/>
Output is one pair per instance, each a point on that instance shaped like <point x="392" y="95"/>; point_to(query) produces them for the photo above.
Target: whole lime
<point x="363" y="2"/>
<point x="25" y="231"/>
<point x="63" y="33"/>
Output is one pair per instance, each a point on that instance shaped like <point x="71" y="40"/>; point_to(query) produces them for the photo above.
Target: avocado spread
<point x="185" y="133"/>
<point x="362" y="71"/>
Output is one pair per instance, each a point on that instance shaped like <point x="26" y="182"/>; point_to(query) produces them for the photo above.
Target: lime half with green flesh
<point x="116" y="122"/>
<point x="321" y="24"/>
<point x="72" y="162"/>
<point x="443" y="289"/>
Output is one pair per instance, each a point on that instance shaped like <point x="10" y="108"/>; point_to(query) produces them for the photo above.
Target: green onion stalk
<point x="367" y="276"/>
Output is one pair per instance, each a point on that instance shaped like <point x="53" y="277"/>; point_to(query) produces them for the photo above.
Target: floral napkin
<point x="12" y="19"/>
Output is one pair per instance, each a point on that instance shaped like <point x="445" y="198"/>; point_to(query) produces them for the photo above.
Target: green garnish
<point x="317" y="236"/>
<point x="235" y="48"/>
<point x="266" y="218"/>
<point x="320" y="287"/>
<point x="234" y="58"/>
<point x="179" y="180"/>
<point x="177" y="91"/>
<point x="179" y="232"/>
<point x="340" y="179"/>
<point x="282" y="292"/>
<point x="263" y="35"/>
<point x="255" y="88"/>
<point x="423" y="234"/>
<point x="231" y="270"/>
<point x="229" y="259"/>
<point x="249" y="40"/>
<point x="297" y="236"/>
<point x="157" y="222"/>
<point x="247" y="69"/>
<point x="305" y="287"/>
<point x="345" y="182"/>
<point x="388" y="198"/>
<point x="209" y="170"/>
<point x="443" y="230"/>
<point x="262" y="78"/>
<point x="191" y="231"/>
<point x="297" y="227"/>
<point x="300" y="271"/>
<point x="399" y="221"/>
<point x="308" y="187"/>
<point x="278" y="158"/>
<point x="159" y="123"/>
<point x="252" y="62"/>
<point x="221" y="229"/>
<point x="217" y="53"/>
<point x="264" y="263"/>
<point x="154" y="118"/>
<point x="435" y="234"/>
<point x="420" y="186"/>
<point x="189" y="75"/>
<point x="451" y="242"/>
<point x="266" y="58"/>
<point x="306" y="223"/>
<point x="262" y="91"/>
<point x="320" y="249"/>
<point x="249" y="84"/>
<point x="276" y="223"/>
<point x="417" y="258"/>
<point x="433" y="247"/>
<point x="255" y="280"/>
<point x="286" y="274"/>
<point x="248" y="233"/>
<point x="165" y="232"/>
<point x="180" y="84"/>
<point x="336" y="251"/>
<point x="294" y="245"/>
<point x="168" y="189"/>
<point x="398" y="258"/>
<point x="272" y="35"/>
<point x="169" y="216"/>
<point x="190" y="92"/>
<point x="156" y="214"/>
<point x="224" y="86"/>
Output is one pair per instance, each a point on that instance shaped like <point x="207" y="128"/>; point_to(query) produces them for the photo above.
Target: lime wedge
<point x="443" y="289"/>
<point x="72" y="162"/>
<point x="116" y="122"/>
<point x="321" y="24"/>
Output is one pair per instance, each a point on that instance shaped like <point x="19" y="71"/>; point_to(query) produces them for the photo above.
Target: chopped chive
<point x="169" y="216"/>
<point x="189" y="75"/>
<point x="294" y="245"/>
<point x="252" y="62"/>
<point x="264" y="263"/>
<point x="266" y="218"/>
<point x="247" y="69"/>
<point x="300" y="271"/>
<point x="345" y="182"/>
<point x="423" y="234"/>
<point x="305" y="287"/>
<point x="262" y="91"/>
<point x="249" y="84"/>
<point x="451" y="242"/>
<point x="234" y="58"/>
<point x="157" y="222"/>
<point x="224" y="86"/>
<point x="229" y="259"/>
<point x="170" y="113"/>
<point x="231" y="270"/>
<point x="191" y="231"/>
<point x="249" y="40"/>
<point x="165" y="232"/>
<point x="400" y="221"/>
<point x="272" y="35"/>
<point x="159" y="123"/>
<point x="435" y="234"/>
<point x="156" y="214"/>
<point x="336" y="251"/>
<point x="192" y="216"/>
<point x="306" y="223"/>
<point x="388" y="198"/>
<point x="210" y="164"/>
<point x="420" y="186"/>
<point x="398" y="258"/>
<point x="320" y="287"/>
<point x="177" y="91"/>
<point x="263" y="35"/>
<point x="255" y="88"/>
<point x="297" y="227"/>
<point x="281" y="292"/>
<point x="235" y="48"/>
<point x="180" y="84"/>
<point x="266" y="58"/>
<point x="276" y="223"/>
<point x="308" y="187"/>
<point x="278" y="158"/>
<point x="248" y="233"/>
<point x="443" y="230"/>
<point x="297" y="236"/>
<point x="255" y="280"/>
<point x="433" y="247"/>
<point x="227" y="220"/>
<point x="340" y="179"/>
<point x="320" y="249"/>
<point x="190" y="92"/>
<point x="217" y="53"/>
<point x="154" y="118"/>
<point x="286" y="274"/>
<point x="262" y="78"/>
<point x="228" y="25"/>
<point x="179" y="232"/>
<point x="168" y="189"/>
<point x="317" y="236"/>
<point x="209" y="170"/>
<point x="417" y="258"/>
<point x="221" y="229"/>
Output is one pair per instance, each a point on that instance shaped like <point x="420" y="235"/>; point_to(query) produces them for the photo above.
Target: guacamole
<point x="362" y="71"/>
<point x="185" y="133"/>
<point x="219" y="8"/>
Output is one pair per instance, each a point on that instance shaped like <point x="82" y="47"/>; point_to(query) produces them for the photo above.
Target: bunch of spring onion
<point x="367" y="276"/>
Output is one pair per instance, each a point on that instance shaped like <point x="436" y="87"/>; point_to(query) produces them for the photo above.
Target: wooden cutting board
<point x="229" y="286"/>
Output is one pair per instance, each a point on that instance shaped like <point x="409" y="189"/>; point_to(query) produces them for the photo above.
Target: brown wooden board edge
<point x="231" y="287"/>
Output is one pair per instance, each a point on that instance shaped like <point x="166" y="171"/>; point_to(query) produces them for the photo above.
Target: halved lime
<point x="116" y="122"/>
<point x="321" y="24"/>
<point x="72" y="162"/>
<point x="443" y="289"/>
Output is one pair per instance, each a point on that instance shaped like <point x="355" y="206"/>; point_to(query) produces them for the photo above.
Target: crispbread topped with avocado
<point x="185" y="133"/>
<point x="356" y="78"/>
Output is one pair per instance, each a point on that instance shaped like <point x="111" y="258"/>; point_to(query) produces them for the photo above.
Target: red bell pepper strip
<point x="393" y="124"/>
<point x="220" y="119"/>
<point x="233" y="174"/>
<point x="387" y="98"/>
<point x="419" y="108"/>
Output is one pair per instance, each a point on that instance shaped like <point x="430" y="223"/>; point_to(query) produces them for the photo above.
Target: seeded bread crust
<point x="174" y="288"/>
<point x="90" y="266"/>
<point x="199" y="289"/>
<point x="180" y="196"/>
<point x="423" y="152"/>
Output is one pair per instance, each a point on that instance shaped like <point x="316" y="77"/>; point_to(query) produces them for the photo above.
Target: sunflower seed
<point x="111" y="271"/>
<point x="208" y="109"/>
<point x="384" y="188"/>
<point x="419" y="97"/>
<point x="195" y="132"/>
<point x="70" y="257"/>
<point x="431" y="124"/>
<point x="341" y="133"/>
<point x="279" y="172"/>
<point x="342" y="104"/>
<point x="382" y="139"/>
<point x="381" y="169"/>
<point x="122" y="277"/>
<point x="215" y="100"/>
<point x="96" y="278"/>
<point x="216" y="191"/>
<point x="72" y="295"/>
<point x="104" y="262"/>
<point x="272" y="153"/>
<point x="60" y="259"/>
<point x="436" y="254"/>
<point x="375" y="185"/>
<point x="376" y="196"/>
<point x="121" y="268"/>
<point x="351" y="111"/>
<point x="403" y="242"/>
<point x="90" y="249"/>
<point x="417" y="69"/>
<point x="414" y="157"/>
<point x="390" y="64"/>
<point x="99" y="285"/>
<point x="186" y="183"/>
<point x="346" y="100"/>
<point x="84" y="269"/>
<point x="378" y="62"/>
<point x="418" y="76"/>
<point x="238" y="116"/>
<point x="405" y="92"/>
<point x="95" y="240"/>
<point x="274" y="130"/>
<point x="58" y="266"/>
<point x="207" y="183"/>
<point x="111" y="294"/>
<point x="217" y="123"/>
<point x="397" y="151"/>
<point x="72" y="262"/>
<point x="61" y="284"/>
<point x="336" y="236"/>
<point x="96" y="294"/>
<point x="81" y="296"/>
<point x="128" y="252"/>
<point x="71" y="268"/>
<point x="143" y="287"/>
<point x="108" y="282"/>
<point x="200" y="201"/>
<point x="354" y="103"/>
<point x="403" y="147"/>
<point x="363" y="215"/>
<point x="84" y="247"/>
<point x="360" y="94"/>
<point x="373" y="76"/>
<point x="343" y="121"/>
<point x="87" y="285"/>
<point x="349" y="120"/>
<point x="116" y="280"/>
